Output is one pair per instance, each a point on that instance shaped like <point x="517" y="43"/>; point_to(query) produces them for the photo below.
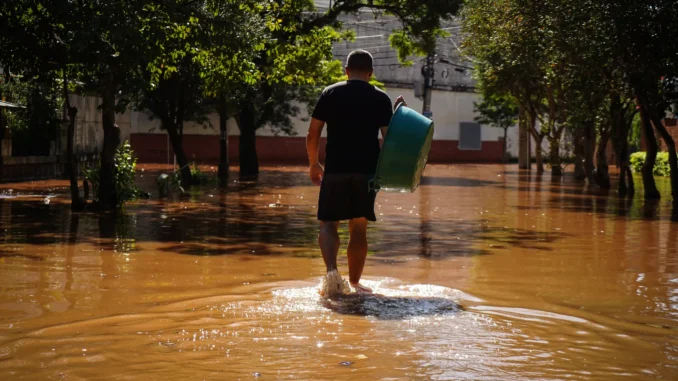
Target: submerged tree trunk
<point x="589" y="149"/>
<point x="249" y="163"/>
<point x="602" y="166"/>
<point x="671" y="145"/>
<point x="223" y="142"/>
<point x="2" y="138"/>
<point x="77" y="203"/>
<point x="524" y="154"/>
<point x="620" y="126"/>
<point x="649" y="185"/>
<point x="624" y="180"/>
<point x="178" y="147"/>
<point x="625" y="186"/>
<point x="538" y="139"/>
<point x="107" y="193"/>
<point x="171" y="110"/>
<point x="504" y="157"/>
<point x="2" y="135"/>
<point x="556" y="168"/>
<point x="538" y="154"/>
<point x="579" y="172"/>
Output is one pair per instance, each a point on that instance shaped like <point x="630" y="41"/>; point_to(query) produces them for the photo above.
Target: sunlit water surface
<point x="485" y="273"/>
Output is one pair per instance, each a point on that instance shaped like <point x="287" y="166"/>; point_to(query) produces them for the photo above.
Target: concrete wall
<point x="449" y="110"/>
<point x="89" y="133"/>
<point x="201" y="141"/>
<point x="30" y="168"/>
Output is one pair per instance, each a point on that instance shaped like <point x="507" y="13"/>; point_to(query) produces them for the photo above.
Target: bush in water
<point x="661" y="166"/>
<point x="124" y="171"/>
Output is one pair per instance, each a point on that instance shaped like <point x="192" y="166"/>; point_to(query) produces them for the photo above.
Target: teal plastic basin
<point x="404" y="152"/>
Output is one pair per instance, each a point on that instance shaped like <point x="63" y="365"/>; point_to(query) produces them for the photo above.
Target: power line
<point x="375" y="58"/>
<point x="364" y="47"/>
<point x="373" y="53"/>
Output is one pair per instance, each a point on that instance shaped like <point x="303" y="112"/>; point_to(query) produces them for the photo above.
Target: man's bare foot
<point x="360" y="289"/>
<point x="333" y="285"/>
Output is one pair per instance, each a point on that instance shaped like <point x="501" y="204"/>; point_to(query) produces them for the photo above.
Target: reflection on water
<point x="391" y="304"/>
<point x="484" y="273"/>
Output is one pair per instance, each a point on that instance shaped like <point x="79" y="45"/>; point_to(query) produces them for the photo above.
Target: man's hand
<point x="398" y="101"/>
<point x="316" y="172"/>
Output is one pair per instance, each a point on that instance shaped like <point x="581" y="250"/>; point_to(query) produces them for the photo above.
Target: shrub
<point x="661" y="166"/>
<point x="200" y="177"/>
<point x="123" y="172"/>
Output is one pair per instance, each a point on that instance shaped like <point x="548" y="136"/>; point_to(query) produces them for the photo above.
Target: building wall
<point x="89" y="132"/>
<point x="201" y="142"/>
<point x="671" y="125"/>
<point x="672" y="128"/>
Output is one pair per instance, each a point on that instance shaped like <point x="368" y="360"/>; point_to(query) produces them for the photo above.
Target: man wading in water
<point x="354" y="111"/>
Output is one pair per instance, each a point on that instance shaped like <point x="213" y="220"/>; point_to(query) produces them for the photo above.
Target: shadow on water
<point x="438" y="239"/>
<point x="391" y="307"/>
<point x="228" y="223"/>
<point x="571" y="195"/>
<point x="244" y="219"/>
<point x="240" y="222"/>
<point x="456" y="182"/>
<point x="611" y="206"/>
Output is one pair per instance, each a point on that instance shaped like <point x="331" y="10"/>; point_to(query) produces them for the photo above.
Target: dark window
<point x="469" y="136"/>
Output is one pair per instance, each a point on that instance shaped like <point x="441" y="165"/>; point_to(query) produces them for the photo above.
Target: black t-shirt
<point x="354" y="111"/>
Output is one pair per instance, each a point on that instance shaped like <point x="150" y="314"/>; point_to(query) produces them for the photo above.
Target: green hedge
<point x="661" y="166"/>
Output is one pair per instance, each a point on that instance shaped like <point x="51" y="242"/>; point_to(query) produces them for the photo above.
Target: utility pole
<point x="524" y="151"/>
<point x="428" y="71"/>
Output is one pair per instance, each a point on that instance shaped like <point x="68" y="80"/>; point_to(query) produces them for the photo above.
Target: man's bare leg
<point x="328" y="239"/>
<point x="357" y="252"/>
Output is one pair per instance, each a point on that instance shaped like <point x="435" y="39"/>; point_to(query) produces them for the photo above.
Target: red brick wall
<point x="447" y="151"/>
<point x="671" y="127"/>
<point x="152" y="148"/>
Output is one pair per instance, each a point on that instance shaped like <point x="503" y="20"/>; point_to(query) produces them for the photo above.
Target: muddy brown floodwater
<point x="485" y="273"/>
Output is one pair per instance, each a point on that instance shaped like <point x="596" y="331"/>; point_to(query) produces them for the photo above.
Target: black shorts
<point x="345" y="196"/>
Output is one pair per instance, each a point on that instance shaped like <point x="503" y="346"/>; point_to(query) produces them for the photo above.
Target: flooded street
<point x="485" y="273"/>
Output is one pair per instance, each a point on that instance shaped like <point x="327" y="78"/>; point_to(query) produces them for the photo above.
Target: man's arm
<point x="315" y="130"/>
<point x="384" y="131"/>
<point x="398" y="101"/>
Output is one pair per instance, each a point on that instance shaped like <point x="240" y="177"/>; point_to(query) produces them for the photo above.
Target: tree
<point x="297" y="60"/>
<point x="214" y="43"/>
<point x="116" y="49"/>
<point x="33" y="47"/>
<point x="506" y="42"/>
<point x="501" y="112"/>
<point x="644" y="44"/>
<point x="579" y="64"/>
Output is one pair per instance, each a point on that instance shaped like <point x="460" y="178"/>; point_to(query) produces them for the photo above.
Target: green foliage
<point x="125" y="169"/>
<point x="661" y="166"/>
<point x="173" y="58"/>
<point x="497" y="111"/>
<point x="296" y="61"/>
<point x="576" y="64"/>
<point x="124" y="173"/>
<point x="167" y="183"/>
<point x="636" y="132"/>
<point x="200" y="177"/>
<point x="15" y="91"/>
<point x="34" y="127"/>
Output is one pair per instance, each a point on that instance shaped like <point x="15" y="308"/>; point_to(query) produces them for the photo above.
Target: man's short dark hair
<point x="359" y="60"/>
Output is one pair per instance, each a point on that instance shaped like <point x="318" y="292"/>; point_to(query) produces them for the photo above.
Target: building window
<point x="469" y="136"/>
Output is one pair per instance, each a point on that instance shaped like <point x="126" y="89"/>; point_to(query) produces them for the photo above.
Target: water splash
<point x="334" y="285"/>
